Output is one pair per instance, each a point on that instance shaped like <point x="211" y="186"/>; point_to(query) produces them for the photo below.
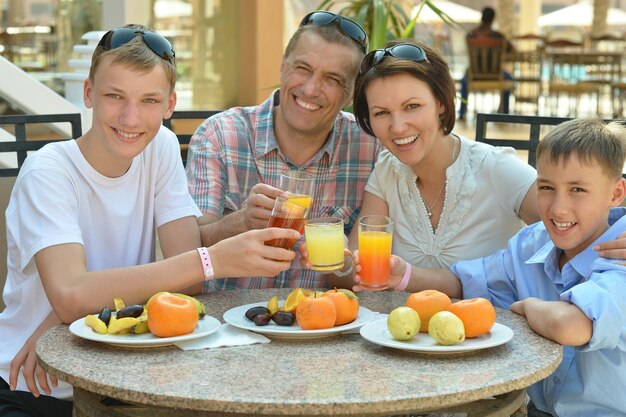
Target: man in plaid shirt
<point x="235" y="158"/>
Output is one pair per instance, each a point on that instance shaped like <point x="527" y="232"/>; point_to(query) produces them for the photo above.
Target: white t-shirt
<point x="485" y="189"/>
<point x="58" y="198"/>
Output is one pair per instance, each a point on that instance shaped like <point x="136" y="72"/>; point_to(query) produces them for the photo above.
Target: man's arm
<point x="559" y="321"/>
<point x="255" y="214"/>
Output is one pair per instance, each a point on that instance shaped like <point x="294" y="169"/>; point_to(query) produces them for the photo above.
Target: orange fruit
<point x="477" y="315"/>
<point x="427" y="303"/>
<point x="292" y="300"/>
<point x="316" y="313"/>
<point x="169" y="315"/>
<point x="346" y="304"/>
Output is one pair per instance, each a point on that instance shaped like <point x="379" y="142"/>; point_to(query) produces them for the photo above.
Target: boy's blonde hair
<point x="136" y="55"/>
<point x="591" y="140"/>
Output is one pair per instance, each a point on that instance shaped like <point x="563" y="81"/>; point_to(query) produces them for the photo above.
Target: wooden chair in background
<point x="485" y="73"/>
<point x="568" y="79"/>
<point x="526" y="63"/>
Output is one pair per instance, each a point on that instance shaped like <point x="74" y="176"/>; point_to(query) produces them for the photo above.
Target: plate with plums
<point x="257" y="317"/>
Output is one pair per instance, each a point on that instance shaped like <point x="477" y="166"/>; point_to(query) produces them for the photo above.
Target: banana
<point x="123" y="325"/>
<point x="142" y="326"/>
<point x="96" y="324"/>
<point x="200" y="307"/>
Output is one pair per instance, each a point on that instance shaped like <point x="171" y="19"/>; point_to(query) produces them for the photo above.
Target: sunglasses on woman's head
<point x="349" y="27"/>
<point x="401" y="51"/>
<point x="158" y="44"/>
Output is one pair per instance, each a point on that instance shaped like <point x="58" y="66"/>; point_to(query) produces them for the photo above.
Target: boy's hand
<point x="397" y="264"/>
<point x="246" y="254"/>
<point x="27" y="359"/>
<point x="613" y="249"/>
<point x="258" y="208"/>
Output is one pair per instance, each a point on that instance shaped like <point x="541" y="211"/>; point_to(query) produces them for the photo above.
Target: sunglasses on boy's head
<point x="121" y="36"/>
<point x="401" y="50"/>
<point x="349" y="27"/>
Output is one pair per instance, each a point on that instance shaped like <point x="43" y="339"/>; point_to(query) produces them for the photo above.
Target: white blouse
<point x="484" y="190"/>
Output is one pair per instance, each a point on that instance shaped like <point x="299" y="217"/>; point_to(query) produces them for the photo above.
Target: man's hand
<point x="27" y="359"/>
<point x="613" y="249"/>
<point x="258" y="208"/>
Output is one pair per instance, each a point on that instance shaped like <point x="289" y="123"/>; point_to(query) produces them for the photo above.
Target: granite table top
<point x="337" y="375"/>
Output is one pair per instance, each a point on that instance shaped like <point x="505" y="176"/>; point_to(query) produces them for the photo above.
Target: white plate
<point x="205" y="327"/>
<point x="236" y="317"/>
<point x="376" y="332"/>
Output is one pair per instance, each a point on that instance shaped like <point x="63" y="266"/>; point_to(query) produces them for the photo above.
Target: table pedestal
<point x="87" y="404"/>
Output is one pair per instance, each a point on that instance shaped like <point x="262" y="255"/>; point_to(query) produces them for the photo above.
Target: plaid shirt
<point x="236" y="149"/>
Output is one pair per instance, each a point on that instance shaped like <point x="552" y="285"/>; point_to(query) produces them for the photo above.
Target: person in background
<point x="82" y="216"/>
<point x="484" y="30"/>
<point x="551" y="274"/>
<point x="235" y="157"/>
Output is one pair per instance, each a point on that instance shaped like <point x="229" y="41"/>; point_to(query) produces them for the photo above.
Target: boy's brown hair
<point x="591" y="141"/>
<point x="135" y="55"/>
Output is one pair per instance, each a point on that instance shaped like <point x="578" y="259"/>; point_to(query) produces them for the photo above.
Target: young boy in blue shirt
<point x="551" y="274"/>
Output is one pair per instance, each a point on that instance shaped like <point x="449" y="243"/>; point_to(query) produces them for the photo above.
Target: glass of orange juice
<point x="298" y="186"/>
<point x="325" y="243"/>
<point x="375" y="235"/>
<point x="287" y="214"/>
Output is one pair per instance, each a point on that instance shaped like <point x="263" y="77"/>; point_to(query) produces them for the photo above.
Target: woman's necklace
<point x="429" y="209"/>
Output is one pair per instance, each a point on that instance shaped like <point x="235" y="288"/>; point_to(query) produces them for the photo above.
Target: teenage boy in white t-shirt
<point x="82" y="218"/>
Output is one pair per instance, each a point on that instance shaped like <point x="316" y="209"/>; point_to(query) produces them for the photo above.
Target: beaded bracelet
<point x="207" y="265"/>
<point x="405" y="279"/>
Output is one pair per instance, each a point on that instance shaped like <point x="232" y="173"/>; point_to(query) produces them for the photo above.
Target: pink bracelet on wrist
<point x="207" y="265"/>
<point x="405" y="278"/>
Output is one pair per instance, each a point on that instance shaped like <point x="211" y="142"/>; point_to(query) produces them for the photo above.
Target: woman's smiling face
<point x="404" y="116"/>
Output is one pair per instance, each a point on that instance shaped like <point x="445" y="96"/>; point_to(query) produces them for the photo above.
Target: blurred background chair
<point x="568" y="79"/>
<point x="485" y="73"/>
<point x="526" y="65"/>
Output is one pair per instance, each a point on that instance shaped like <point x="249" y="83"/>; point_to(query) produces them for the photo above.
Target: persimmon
<point x="315" y="313"/>
<point x="169" y="315"/>
<point x="346" y="304"/>
<point x="427" y="303"/>
<point x="477" y="314"/>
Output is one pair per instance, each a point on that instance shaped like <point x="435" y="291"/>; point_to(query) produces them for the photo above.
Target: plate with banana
<point x="128" y="325"/>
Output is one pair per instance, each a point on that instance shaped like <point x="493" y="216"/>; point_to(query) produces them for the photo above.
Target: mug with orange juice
<point x="375" y="236"/>
<point x="325" y="243"/>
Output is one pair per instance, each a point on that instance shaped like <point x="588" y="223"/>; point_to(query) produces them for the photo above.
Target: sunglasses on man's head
<point x="121" y="36"/>
<point x="348" y="26"/>
<point x="401" y="51"/>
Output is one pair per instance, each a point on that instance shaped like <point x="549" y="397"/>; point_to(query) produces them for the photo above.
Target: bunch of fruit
<point x="447" y="323"/>
<point x="310" y="309"/>
<point x="171" y="314"/>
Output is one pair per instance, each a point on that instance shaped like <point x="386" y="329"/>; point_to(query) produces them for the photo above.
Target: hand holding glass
<point x="325" y="243"/>
<point x="288" y="215"/>
<point x="375" y="236"/>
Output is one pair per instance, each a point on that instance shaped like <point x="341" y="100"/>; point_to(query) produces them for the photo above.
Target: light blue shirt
<point x="591" y="379"/>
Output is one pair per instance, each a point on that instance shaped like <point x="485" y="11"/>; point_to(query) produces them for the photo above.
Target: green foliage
<point x="383" y="19"/>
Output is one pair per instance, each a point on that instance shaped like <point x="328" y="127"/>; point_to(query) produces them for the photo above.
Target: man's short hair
<point x="330" y="33"/>
<point x="591" y="141"/>
<point x="135" y="55"/>
<point x="488" y="15"/>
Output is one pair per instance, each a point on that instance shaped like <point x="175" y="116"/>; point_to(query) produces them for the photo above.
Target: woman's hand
<point x="397" y="267"/>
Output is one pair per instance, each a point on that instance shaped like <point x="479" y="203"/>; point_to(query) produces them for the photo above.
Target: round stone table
<point x="338" y="375"/>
